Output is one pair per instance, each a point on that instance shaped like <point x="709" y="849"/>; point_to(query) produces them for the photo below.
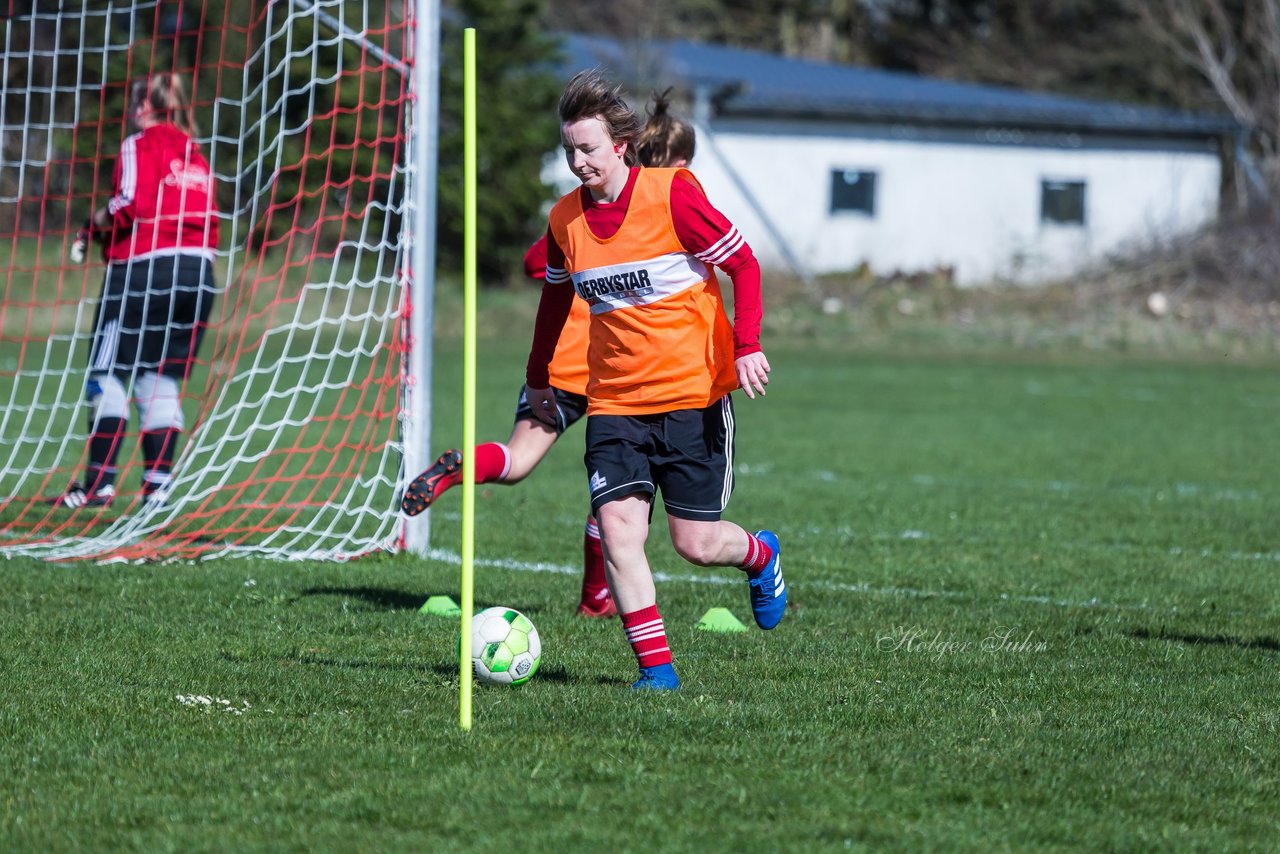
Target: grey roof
<point x="752" y="83"/>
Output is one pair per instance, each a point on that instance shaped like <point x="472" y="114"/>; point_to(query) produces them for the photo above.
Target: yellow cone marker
<point x="720" y="620"/>
<point x="440" y="606"/>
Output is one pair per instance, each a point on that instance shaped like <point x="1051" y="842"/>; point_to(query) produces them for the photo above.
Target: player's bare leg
<point x="528" y="444"/>
<point x="624" y="528"/>
<point x="719" y="543"/>
<point x="723" y="543"/>
<point x="508" y="462"/>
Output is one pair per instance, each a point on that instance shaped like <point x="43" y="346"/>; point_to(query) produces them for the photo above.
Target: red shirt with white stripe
<point x="702" y="231"/>
<point x="163" y="202"/>
<point x="568" y="368"/>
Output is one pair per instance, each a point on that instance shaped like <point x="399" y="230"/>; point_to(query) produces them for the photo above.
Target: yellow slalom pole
<point x="468" y="367"/>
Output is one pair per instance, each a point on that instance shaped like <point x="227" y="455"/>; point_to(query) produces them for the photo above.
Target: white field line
<point x="1178" y="490"/>
<point x="1160" y="493"/>
<point x="912" y="534"/>
<point x="1182" y="489"/>
<point x="730" y="576"/>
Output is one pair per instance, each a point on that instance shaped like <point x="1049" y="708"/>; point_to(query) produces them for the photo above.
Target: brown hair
<point x="165" y="94"/>
<point x="665" y="138"/>
<point x="589" y="95"/>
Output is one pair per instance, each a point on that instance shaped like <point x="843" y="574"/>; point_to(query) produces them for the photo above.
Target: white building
<point x="826" y="168"/>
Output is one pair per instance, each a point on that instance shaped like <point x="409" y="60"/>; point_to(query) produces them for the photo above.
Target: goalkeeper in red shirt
<point x="666" y="140"/>
<point x="159" y="235"/>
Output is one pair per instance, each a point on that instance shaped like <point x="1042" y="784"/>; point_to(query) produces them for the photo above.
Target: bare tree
<point x="1235" y="46"/>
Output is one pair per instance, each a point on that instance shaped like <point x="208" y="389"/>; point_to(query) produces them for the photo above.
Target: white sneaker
<point x="76" y="497"/>
<point x="157" y="497"/>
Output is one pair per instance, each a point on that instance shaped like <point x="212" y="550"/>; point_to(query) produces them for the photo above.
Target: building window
<point x="1062" y="202"/>
<point x="853" y="190"/>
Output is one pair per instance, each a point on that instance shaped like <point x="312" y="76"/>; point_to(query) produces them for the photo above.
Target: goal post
<point x="420" y="352"/>
<point x="309" y="399"/>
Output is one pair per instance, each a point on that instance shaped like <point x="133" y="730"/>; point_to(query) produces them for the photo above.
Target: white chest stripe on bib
<point x="638" y="282"/>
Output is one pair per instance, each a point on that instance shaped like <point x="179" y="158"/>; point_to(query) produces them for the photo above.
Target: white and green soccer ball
<point x="505" y="648"/>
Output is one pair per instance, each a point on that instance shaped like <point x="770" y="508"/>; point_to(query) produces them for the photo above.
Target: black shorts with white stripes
<point x="686" y="455"/>
<point x="152" y="316"/>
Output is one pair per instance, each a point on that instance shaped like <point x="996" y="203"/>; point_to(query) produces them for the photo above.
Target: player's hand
<point x="543" y="403"/>
<point x="753" y="373"/>
<point x="80" y="246"/>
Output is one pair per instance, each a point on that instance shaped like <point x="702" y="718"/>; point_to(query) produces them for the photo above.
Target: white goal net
<point x="292" y="446"/>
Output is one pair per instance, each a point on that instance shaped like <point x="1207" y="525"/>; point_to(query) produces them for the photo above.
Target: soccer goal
<point x="295" y="413"/>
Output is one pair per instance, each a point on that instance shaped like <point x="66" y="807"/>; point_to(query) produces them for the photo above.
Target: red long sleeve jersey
<point x="568" y="369"/>
<point x="163" y="202"/>
<point x="703" y="230"/>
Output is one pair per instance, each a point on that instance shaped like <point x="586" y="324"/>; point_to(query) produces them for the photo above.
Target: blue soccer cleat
<point x="660" y="677"/>
<point x="768" y="590"/>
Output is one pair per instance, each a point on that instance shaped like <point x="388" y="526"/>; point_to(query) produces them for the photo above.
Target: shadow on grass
<point x="1192" y="639"/>
<point x="558" y="675"/>
<point x="399" y="600"/>
<point x="390" y="600"/>
<point x="544" y="674"/>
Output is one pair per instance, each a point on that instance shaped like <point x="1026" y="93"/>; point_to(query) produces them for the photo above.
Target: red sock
<point x="493" y="461"/>
<point x="595" y="586"/>
<point x="758" y="556"/>
<point x="647" y="636"/>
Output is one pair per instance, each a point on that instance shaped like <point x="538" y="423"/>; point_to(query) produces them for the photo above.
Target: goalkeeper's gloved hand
<point x="80" y="246"/>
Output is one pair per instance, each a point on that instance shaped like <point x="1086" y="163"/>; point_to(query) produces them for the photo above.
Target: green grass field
<point x="1036" y="606"/>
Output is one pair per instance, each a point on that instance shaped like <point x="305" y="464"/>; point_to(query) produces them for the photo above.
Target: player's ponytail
<point x="665" y="140"/>
<point x="166" y="95"/>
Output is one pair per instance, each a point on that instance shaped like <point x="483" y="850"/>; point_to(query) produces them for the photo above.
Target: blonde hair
<point x="665" y="139"/>
<point x="165" y="94"/>
<point x="589" y="95"/>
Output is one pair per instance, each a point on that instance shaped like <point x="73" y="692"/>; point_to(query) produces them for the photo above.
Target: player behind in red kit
<point x="665" y="141"/>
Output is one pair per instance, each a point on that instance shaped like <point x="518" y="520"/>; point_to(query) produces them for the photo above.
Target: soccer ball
<point x="505" y="648"/>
